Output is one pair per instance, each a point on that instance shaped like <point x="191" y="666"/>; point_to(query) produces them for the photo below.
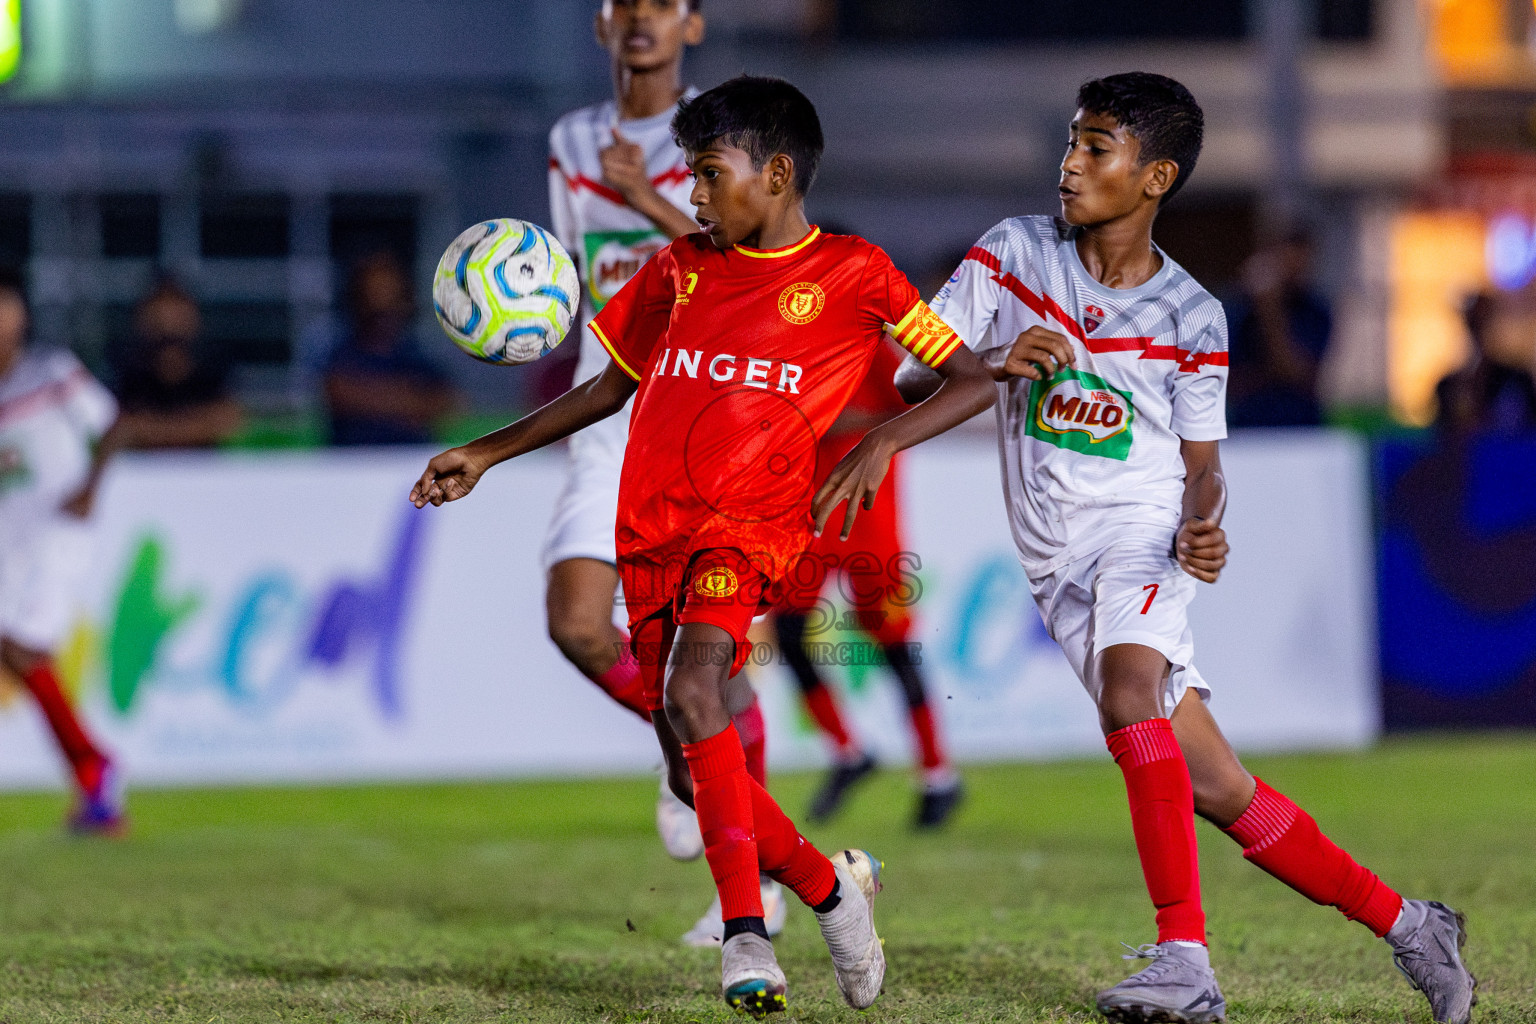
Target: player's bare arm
<point x="454" y="473"/>
<point x="965" y="391"/>
<point x="80" y="504"/>
<point x="625" y="172"/>
<point x="1035" y="355"/>
<point x="1201" y="545"/>
<point x="915" y="380"/>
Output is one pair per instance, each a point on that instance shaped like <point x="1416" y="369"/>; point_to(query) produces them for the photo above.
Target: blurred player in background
<point x="57" y="430"/>
<point x="618" y="192"/>
<point x="1115" y="494"/>
<point x="875" y="570"/>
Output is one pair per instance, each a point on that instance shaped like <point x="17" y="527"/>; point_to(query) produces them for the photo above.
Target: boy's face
<point x="1102" y="177"/>
<point x="732" y="198"/>
<point x="645" y="35"/>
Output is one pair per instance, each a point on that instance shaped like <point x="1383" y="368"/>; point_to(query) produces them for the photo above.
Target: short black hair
<point x="1159" y="112"/>
<point x="763" y="116"/>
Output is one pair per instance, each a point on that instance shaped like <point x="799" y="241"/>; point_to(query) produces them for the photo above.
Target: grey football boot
<point x="858" y="956"/>
<point x="750" y="977"/>
<point x="1426" y="946"/>
<point x="1178" y="987"/>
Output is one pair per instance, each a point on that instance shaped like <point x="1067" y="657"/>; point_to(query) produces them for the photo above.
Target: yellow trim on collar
<point x="788" y="250"/>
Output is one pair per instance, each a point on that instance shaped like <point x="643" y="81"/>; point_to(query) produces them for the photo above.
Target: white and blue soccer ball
<point x="506" y="291"/>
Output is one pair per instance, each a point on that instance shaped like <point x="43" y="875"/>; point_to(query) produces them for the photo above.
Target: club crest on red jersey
<point x="801" y="303"/>
<point x="717" y="582"/>
<point x="1093" y="318"/>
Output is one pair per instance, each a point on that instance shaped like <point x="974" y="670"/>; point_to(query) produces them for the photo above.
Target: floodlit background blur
<point x="209" y="197"/>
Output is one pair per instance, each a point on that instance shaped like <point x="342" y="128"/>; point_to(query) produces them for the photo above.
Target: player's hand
<point x="1201" y="549"/>
<point x="1036" y="354"/>
<point x="448" y="477"/>
<point x="624" y="169"/>
<point x="855" y="479"/>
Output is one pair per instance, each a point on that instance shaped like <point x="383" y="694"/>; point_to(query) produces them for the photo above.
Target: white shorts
<point x="583" y="522"/>
<point x="42" y="567"/>
<point x="1131" y="593"/>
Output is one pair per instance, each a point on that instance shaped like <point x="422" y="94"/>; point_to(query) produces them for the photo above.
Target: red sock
<point x="1163" y="819"/>
<point x="722" y="796"/>
<point x="623" y="682"/>
<point x="785" y="855"/>
<point x="1283" y="839"/>
<point x="927" y="737"/>
<point x="754" y="740"/>
<point x="84" y="759"/>
<point x="823" y="709"/>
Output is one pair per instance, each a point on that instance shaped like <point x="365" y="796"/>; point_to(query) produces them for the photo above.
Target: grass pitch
<point x="554" y="902"/>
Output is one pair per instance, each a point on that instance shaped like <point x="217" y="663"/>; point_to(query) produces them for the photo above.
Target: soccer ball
<point x="505" y="291"/>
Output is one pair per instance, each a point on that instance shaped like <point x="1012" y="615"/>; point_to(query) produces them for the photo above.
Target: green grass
<point x="515" y="902"/>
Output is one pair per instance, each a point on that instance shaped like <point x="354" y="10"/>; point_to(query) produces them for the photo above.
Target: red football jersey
<point x="744" y="357"/>
<point x="873" y="402"/>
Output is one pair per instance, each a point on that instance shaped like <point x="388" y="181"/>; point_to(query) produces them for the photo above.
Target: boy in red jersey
<point x="741" y="344"/>
<point x="618" y="192"/>
<point x="875" y="575"/>
<point x="1115" y="495"/>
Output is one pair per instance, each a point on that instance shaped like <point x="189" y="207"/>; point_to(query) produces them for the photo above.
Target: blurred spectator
<point x="1494" y="391"/>
<point x="173" y="393"/>
<point x="379" y="388"/>
<point x="1280" y="333"/>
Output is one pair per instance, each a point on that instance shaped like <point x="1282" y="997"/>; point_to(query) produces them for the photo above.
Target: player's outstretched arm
<point x="967" y="390"/>
<point x="454" y="473"/>
<point x="1201" y="545"/>
<point x="1035" y="355"/>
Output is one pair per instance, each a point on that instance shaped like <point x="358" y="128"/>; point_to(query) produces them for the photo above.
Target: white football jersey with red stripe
<point x="608" y="239"/>
<point x="52" y="412"/>
<point x="1091" y="455"/>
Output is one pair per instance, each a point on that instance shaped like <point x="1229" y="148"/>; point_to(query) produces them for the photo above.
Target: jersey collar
<point x="788" y="250"/>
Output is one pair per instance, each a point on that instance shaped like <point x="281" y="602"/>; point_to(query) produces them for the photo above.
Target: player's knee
<point x="582" y="642"/>
<point x="693" y="695"/>
<point x="1129" y="702"/>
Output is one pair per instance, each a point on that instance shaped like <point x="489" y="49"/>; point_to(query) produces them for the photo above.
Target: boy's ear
<point x="693" y="31"/>
<point x="781" y="173"/>
<point x="1160" y="176"/>
<point x="600" y="29"/>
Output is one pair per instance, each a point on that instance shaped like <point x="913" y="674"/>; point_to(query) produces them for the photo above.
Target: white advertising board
<point x="291" y="617"/>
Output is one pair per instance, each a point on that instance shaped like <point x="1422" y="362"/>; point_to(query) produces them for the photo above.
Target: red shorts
<point x="721" y="588"/>
<point x="875" y="574"/>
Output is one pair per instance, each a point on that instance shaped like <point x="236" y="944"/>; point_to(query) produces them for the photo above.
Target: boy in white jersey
<point x="618" y="192"/>
<point x="56" y="429"/>
<point x="1111" y="362"/>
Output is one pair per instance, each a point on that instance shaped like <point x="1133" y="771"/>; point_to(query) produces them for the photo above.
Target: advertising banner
<point x="292" y="617"/>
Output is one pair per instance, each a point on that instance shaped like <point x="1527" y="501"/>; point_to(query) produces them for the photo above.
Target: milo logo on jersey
<point x="1082" y="413"/>
<point x="613" y="257"/>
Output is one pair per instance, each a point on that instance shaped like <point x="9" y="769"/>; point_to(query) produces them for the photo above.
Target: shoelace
<point x="1159" y="956"/>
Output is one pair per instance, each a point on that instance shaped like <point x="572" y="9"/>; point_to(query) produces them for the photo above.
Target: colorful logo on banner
<point x="266" y="642"/>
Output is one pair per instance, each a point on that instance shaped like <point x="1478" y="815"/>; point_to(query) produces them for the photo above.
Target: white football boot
<point x="706" y="931"/>
<point x="678" y="825"/>
<point x="750" y="977"/>
<point x="849" y="929"/>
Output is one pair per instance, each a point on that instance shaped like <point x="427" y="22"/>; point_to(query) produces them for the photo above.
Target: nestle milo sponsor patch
<point x="1082" y="413"/>
<point x="613" y="257"/>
